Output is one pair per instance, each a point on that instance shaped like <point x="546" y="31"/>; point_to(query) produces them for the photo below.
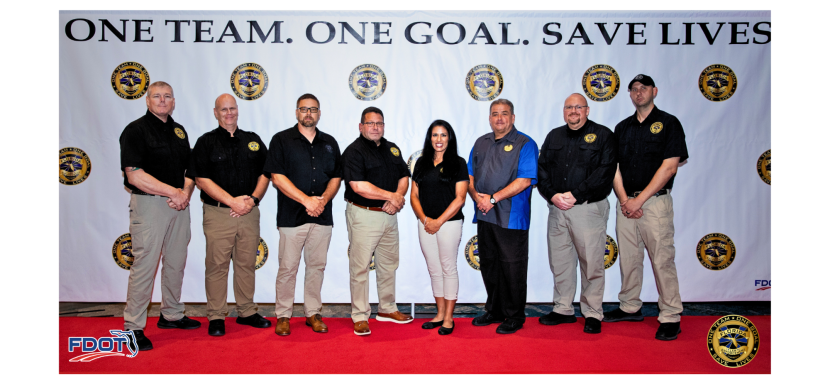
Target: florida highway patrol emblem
<point x="715" y="251"/>
<point x="764" y="165"/>
<point x="471" y="253"/>
<point x="590" y="138"/>
<point x="484" y="82"/>
<point x="122" y="251"/>
<point x="249" y="81"/>
<point x="733" y="341"/>
<point x="601" y="82"/>
<point x="367" y="82"/>
<point x="130" y="80"/>
<point x="413" y="159"/>
<point x="611" y="252"/>
<point x="717" y="82"/>
<point x="74" y="166"/>
<point x="395" y="151"/>
<point x="253" y="146"/>
<point x="656" y="127"/>
<point x="371" y="264"/>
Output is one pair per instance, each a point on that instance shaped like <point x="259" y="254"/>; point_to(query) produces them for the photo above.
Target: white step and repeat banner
<point x="712" y="70"/>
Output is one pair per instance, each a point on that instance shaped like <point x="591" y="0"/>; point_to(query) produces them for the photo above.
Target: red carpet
<point x="394" y="348"/>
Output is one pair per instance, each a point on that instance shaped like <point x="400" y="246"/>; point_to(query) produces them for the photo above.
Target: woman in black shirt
<point x="439" y="189"/>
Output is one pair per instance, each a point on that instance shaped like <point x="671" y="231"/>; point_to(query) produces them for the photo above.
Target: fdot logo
<point x="762" y="285"/>
<point x="103" y="346"/>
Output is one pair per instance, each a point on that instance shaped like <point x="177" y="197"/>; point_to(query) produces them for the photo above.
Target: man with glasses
<point x="576" y="173"/>
<point x="651" y="147"/>
<point x="377" y="179"/>
<point x="305" y="166"/>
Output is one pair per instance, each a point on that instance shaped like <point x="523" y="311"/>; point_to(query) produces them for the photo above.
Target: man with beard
<point x="305" y="166"/>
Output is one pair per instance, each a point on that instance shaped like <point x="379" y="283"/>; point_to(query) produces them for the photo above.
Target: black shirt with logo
<point x="309" y="166"/>
<point x="161" y="149"/>
<point x="233" y="163"/>
<point x="436" y="195"/>
<point x="381" y="165"/>
<point x="582" y="161"/>
<point x="644" y="146"/>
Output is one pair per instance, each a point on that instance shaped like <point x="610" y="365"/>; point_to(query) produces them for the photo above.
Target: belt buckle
<point x="637" y="193"/>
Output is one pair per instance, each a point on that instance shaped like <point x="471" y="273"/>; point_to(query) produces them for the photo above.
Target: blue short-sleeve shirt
<point x="494" y="164"/>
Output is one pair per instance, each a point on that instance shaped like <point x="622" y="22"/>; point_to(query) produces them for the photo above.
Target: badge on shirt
<point x="253" y="146"/>
<point x="508" y="148"/>
<point x="179" y="133"/>
<point x="395" y="151"/>
<point x="590" y="138"/>
<point x="656" y="127"/>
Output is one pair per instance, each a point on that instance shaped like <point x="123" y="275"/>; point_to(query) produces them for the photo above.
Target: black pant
<point x="503" y="258"/>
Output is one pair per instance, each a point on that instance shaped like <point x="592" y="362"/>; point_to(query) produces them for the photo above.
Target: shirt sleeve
<point x="403" y="169"/>
<point x="198" y="166"/>
<point x="262" y="158"/>
<point x="461" y="175"/>
<point x="353" y="169"/>
<point x="470" y="162"/>
<point x="676" y="145"/>
<point x="133" y="148"/>
<point x="528" y="161"/>
<point x="338" y="162"/>
<point x="545" y="185"/>
<point x="275" y="160"/>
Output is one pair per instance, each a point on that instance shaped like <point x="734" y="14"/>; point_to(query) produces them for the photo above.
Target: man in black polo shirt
<point x="376" y="181"/>
<point x="576" y="172"/>
<point x="651" y="146"/>
<point x="155" y="153"/>
<point x="304" y="163"/>
<point x="227" y="166"/>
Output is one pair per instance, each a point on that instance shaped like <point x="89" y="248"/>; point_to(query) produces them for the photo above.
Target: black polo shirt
<point x="381" y="165"/>
<point x="435" y="195"/>
<point x="582" y="161"/>
<point x="233" y="163"/>
<point x="309" y="166"/>
<point x="644" y="146"/>
<point x="160" y="149"/>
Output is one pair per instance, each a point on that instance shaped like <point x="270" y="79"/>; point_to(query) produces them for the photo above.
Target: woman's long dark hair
<point x="450" y="162"/>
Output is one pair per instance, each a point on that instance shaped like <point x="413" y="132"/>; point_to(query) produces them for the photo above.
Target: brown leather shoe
<point x="316" y="323"/>
<point x="361" y="328"/>
<point x="395" y="317"/>
<point x="283" y="327"/>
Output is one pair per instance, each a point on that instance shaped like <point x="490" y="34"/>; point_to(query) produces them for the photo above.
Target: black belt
<point x="659" y="193"/>
<point x="140" y="192"/>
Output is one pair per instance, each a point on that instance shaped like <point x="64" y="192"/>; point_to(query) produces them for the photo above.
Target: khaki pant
<point x="314" y="239"/>
<point x="654" y="231"/>
<point x="578" y="234"/>
<point x="227" y="236"/>
<point x="156" y="229"/>
<point x="371" y="232"/>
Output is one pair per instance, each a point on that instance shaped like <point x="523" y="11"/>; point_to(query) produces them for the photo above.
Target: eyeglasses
<point x="312" y="110"/>
<point x="370" y="124"/>
<point x="577" y="107"/>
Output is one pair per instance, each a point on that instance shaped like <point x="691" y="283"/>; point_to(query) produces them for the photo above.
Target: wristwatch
<point x="256" y="200"/>
<point x="492" y="200"/>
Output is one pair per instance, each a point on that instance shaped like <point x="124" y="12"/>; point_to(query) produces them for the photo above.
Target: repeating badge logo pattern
<point x="74" y="166"/>
<point x="122" y="251"/>
<point x="395" y="151"/>
<point x="601" y="82"/>
<point x="656" y="127"/>
<point x="611" y="252"/>
<point x="367" y="82"/>
<point x="253" y="146"/>
<point x="413" y="159"/>
<point x="371" y="265"/>
<point x="179" y="133"/>
<point x="590" y="138"/>
<point x="261" y="253"/>
<point x="471" y="253"/>
<point x="716" y="251"/>
<point x="733" y="341"/>
<point x="249" y="81"/>
<point x="130" y="80"/>
<point x="764" y="166"/>
<point x="484" y="82"/>
<point x="717" y="82"/>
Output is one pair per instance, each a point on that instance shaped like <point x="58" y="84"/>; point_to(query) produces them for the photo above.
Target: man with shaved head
<point x="227" y="166"/>
<point x="576" y="174"/>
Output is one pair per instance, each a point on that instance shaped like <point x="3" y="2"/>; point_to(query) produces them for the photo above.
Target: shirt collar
<point x="294" y="133"/>
<point x="651" y="116"/>
<point x="371" y="143"/>
<point x="580" y="131"/>
<point x="157" y="122"/>
<point x="222" y="132"/>
<point x="509" y="137"/>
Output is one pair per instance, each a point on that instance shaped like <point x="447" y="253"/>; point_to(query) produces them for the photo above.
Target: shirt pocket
<point x="655" y="146"/>
<point x="218" y="156"/>
<point x="588" y="154"/>
<point x="554" y="154"/>
<point x="327" y="163"/>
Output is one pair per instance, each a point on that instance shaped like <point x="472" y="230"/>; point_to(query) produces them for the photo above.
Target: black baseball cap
<point x="642" y="79"/>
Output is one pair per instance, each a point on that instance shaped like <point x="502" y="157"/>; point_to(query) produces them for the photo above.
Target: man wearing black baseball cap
<point x="651" y="147"/>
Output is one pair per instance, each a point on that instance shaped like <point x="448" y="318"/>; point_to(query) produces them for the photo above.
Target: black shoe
<point x="509" y="326"/>
<point x="486" y="319"/>
<point x="443" y="331"/>
<point x="432" y="324"/>
<point x="183" y="323"/>
<point x="592" y="325"/>
<point x="143" y="342"/>
<point x="554" y="318"/>
<point x="255" y="320"/>
<point x="216" y="327"/>
<point x="620" y="315"/>
<point x="668" y="331"/>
